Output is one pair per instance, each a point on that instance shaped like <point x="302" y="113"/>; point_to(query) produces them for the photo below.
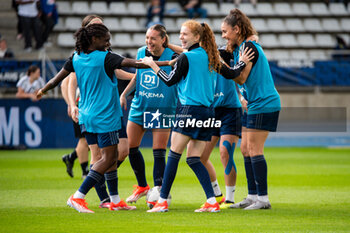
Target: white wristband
<point x="242" y="98"/>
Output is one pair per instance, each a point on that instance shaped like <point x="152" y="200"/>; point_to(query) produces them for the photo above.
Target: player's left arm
<point x="113" y="64"/>
<point x="127" y="91"/>
<point x="129" y="62"/>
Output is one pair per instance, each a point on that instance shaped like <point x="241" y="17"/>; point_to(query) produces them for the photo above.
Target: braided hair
<point x="84" y="36"/>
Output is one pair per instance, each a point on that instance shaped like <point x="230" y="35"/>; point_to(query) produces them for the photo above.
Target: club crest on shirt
<point x="149" y="80"/>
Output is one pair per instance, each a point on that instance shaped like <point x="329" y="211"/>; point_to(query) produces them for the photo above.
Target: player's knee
<point x="109" y="158"/>
<point x="244" y="150"/>
<point x="83" y="142"/>
<point x="123" y="153"/>
<point x="112" y="160"/>
<point x="224" y="154"/>
<point x="252" y="150"/>
<point x="95" y="155"/>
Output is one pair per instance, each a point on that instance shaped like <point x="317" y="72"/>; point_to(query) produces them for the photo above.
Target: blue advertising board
<point x="41" y="124"/>
<point x="318" y="73"/>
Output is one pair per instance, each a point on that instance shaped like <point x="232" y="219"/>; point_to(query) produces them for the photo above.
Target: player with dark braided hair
<point x="99" y="111"/>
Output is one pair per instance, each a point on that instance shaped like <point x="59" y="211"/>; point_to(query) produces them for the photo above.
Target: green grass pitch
<point x="309" y="189"/>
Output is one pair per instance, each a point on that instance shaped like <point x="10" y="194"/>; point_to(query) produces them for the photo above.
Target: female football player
<point x="72" y="96"/>
<point x="228" y="110"/>
<point x="151" y="96"/>
<point x="99" y="108"/>
<point x="257" y="87"/>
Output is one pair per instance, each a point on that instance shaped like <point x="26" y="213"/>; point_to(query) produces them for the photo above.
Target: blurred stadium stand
<point x="296" y="25"/>
<point x="287" y="20"/>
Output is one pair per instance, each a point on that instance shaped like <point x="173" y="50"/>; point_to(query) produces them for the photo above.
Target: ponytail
<point x="207" y="42"/>
<point x="83" y="41"/>
<point x="237" y="17"/>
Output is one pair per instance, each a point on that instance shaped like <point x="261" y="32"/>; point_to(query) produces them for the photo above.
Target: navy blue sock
<point x="138" y="165"/>
<point x="101" y="188"/>
<point x="260" y="173"/>
<point x="119" y="162"/>
<point x="169" y="173"/>
<point x="90" y="181"/>
<point x="84" y="168"/>
<point x="202" y="174"/>
<point x="159" y="166"/>
<point x="250" y="176"/>
<point x="112" y="182"/>
<point x="72" y="156"/>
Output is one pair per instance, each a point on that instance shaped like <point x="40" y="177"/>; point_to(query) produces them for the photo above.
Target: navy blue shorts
<point x="263" y="121"/>
<point x="191" y="117"/>
<point x="122" y="131"/>
<point x="101" y="139"/>
<point x="230" y="121"/>
<point x="244" y="119"/>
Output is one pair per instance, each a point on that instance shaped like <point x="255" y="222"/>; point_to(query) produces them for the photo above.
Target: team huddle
<point x="195" y="82"/>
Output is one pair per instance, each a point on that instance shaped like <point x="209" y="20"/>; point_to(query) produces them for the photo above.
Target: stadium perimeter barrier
<point x="40" y="124"/>
<point x="45" y="124"/>
<point x="318" y="73"/>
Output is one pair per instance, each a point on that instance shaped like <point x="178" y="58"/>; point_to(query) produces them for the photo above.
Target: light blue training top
<point x="226" y="93"/>
<point x="197" y="88"/>
<point x="259" y="88"/>
<point x="99" y="106"/>
<point x="152" y="93"/>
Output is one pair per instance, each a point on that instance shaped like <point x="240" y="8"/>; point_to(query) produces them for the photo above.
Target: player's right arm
<point x="123" y="75"/>
<point x="62" y="74"/>
<point x="240" y="71"/>
<point x="72" y="89"/>
<point x="127" y="91"/>
<point x="64" y="91"/>
<point x="53" y="82"/>
<point x="177" y="49"/>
